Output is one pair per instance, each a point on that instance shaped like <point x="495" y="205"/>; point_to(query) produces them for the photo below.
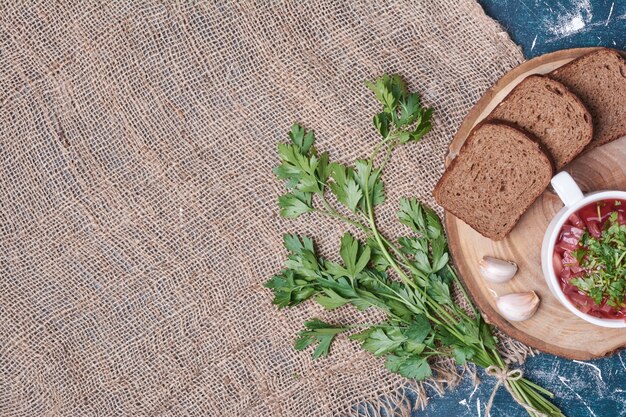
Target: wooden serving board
<point x="553" y="328"/>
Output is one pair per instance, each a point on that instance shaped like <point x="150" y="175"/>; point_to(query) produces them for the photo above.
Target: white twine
<point x="504" y="377"/>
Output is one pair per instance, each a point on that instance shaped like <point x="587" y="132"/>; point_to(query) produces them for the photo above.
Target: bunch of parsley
<point x="604" y="263"/>
<point x="423" y="321"/>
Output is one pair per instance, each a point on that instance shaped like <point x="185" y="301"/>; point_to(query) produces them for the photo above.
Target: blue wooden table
<point x="596" y="388"/>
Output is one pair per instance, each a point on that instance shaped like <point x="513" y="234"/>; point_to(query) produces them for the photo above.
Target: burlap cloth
<point x="138" y="212"/>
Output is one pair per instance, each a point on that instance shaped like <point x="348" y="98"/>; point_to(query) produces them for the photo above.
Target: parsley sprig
<point x="409" y="280"/>
<point x="603" y="260"/>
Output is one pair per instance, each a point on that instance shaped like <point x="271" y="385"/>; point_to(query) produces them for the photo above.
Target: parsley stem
<point x="540" y="402"/>
<point x="344" y="219"/>
<point x="538" y="388"/>
<point x="395" y="249"/>
<point x="372" y="222"/>
<point x="463" y="291"/>
<point x="434" y="352"/>
<point x="390" y="148"/>
<point x="407" y="264"/>
<point x="400" y="298"/>
<point x="498" y="358"/>
<point x="442" y="312"/>
<point x="334" y="213"/>
<point x="373" y="228"/>
<point x="521" y="395"/>
<point x="388" y="326"/>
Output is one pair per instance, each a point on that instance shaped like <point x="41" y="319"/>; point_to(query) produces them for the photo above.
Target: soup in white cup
<point x="576" y="248"/>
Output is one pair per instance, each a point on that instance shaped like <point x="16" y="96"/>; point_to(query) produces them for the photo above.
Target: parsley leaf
<point x="419" y="330"/>
<point x="297" y="168"/>
<point x="412" y="214"/>
<point x="439" y="290"/>
<point x="355" y="256"/>
<point x="364" y="175"/>
<point x="297" y="244"/>
<point x="401" y="109"/>
<point x="295" y="204"/>
<point x="415" y="367"/>
<point x="331" y="299"/>
<point x="380" y="342"/>
<point x="344" y="186"/>
<point x="289" y="289"/>
<point x="303" y="140"/>
<point x="318" y="331"/>
<point x="463" y="354"/>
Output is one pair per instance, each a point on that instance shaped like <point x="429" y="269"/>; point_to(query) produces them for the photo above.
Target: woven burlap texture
<point x="138" y="208"/>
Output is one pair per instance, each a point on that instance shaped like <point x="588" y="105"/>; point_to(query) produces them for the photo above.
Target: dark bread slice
<point x="599" y="80"/>
<point x="551" y="113"/>
<point x="499" y="172"/>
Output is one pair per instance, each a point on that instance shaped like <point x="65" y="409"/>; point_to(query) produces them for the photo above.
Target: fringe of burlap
<point x="138" y="214"/>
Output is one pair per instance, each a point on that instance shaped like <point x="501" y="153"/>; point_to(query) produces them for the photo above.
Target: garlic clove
<point x="518" y="306"/>
<point x="496" y="270"/>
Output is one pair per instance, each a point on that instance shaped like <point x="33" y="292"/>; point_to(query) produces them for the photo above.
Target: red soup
<point x="590" y="259"/>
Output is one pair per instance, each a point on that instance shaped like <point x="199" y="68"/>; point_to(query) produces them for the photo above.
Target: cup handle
<point x="566" y="188"/>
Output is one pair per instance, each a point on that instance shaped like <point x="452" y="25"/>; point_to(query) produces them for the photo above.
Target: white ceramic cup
<point x="574" y="200"/>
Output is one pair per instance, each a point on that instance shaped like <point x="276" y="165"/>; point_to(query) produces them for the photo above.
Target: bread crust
<point x="588" y="136"/>
<point x="450" y="170"/>
<point x="557" y="72"/>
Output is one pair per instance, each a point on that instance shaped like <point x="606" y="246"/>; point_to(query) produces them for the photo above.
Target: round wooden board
<point x="552" y="329"/>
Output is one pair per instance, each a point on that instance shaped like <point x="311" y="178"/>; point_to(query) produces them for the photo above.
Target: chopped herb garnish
<point x="604" y="264"/>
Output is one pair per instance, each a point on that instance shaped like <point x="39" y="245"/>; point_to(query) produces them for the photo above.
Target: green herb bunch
<point x="423" y="322"/>
<point x="604" y="263"/>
